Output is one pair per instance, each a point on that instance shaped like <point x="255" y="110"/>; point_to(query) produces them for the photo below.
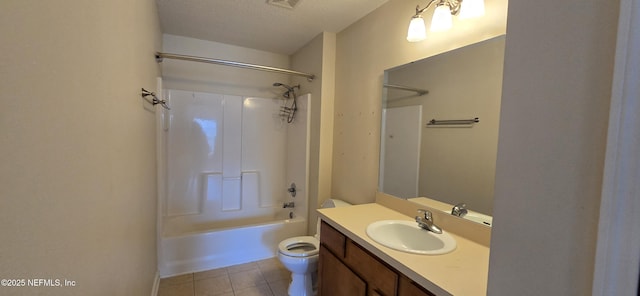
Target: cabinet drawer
<point x="332" y="239"/>
<point x="381" y="280"/>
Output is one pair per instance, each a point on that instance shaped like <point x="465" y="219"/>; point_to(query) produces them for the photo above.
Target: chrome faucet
<point x="459" y="210"/>
<point x="425" y="221"/>
<point x="288" y="205"/>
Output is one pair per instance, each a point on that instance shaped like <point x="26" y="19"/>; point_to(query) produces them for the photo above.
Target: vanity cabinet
<point x="346" y="268"/>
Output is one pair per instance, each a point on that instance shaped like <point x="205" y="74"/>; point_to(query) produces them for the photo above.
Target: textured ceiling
<point x="256" y="24"/>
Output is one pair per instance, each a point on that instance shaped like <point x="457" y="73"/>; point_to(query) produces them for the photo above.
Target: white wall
<point x="555" y="103"/>
<point x="364" y="50"/>
<point x="77" y="159"/>
<point x="194" y="76"/>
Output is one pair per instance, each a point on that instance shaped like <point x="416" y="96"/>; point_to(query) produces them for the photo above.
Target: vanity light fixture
<point x="442" y="16"/>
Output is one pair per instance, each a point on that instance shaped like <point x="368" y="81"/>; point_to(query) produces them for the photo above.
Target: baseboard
<point x="156" y="284"/>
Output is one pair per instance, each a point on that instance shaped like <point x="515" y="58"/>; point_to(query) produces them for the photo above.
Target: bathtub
<point x="226" y="246"/>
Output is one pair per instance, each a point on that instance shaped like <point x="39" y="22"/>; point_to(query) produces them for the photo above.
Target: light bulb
<point x="442" y="19"/>
<point x="471" y="9"/>
<point x="417" y="30"/>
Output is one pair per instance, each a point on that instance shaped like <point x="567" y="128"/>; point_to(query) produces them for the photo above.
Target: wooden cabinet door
<point x="408" y="288"/>
<point x="332" y="239"/>
<point x="336" y="279"/>
<point x="381" y="280"/>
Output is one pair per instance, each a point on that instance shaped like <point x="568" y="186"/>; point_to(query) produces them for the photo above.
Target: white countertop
<point x="461" y="272"/>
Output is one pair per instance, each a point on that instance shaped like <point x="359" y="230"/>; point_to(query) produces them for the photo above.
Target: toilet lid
<point x="299" y="246"/>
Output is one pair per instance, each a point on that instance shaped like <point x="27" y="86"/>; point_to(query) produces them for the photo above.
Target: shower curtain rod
<point x="163" y="55"/>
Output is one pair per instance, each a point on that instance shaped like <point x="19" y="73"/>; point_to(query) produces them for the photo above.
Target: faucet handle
<point x="427" y="221"/>
<point x="459" y="210"/>
<point x="461" y="205"/>
<point x="427" y="214"/>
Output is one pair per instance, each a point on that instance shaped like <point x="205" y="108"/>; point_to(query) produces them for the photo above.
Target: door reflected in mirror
<point x="440" y="123"/>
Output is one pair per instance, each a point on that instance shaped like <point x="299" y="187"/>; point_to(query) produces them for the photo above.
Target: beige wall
<point x="364" y="50"/>
<point x="318" y="57"/>
<point x="556" y="93"/>
<point x="77" y="159"/>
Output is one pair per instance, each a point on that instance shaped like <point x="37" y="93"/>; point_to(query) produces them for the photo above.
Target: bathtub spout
<point x="288" y="205"/>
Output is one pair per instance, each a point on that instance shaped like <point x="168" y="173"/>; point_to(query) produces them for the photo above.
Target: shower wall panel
<point x="194" y="148"/>
<point x="298" y="152"/>
<point x="227" y="160"/>
<point x="264" y="137"/>
<point x="232" y="157"/>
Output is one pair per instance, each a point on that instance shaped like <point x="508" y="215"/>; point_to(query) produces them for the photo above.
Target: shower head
<point x="289" y="88"/>
<point x="288" y="112"/>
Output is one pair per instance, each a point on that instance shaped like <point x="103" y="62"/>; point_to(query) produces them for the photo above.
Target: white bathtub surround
<point x="227" y="163"/>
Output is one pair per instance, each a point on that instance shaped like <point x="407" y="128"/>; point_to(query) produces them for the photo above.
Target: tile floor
<point x="261" y="278"/>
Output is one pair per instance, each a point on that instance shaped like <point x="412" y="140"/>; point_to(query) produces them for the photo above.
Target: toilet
<point x="300" y="256"/>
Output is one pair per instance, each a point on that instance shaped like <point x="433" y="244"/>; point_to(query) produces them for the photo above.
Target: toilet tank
<point x="329" y="203"/>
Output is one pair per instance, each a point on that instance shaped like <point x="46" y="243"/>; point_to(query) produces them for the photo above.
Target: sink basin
<point x="406" y="236"/>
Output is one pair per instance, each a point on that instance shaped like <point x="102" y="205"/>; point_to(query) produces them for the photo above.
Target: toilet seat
<point x="299" y="246"/>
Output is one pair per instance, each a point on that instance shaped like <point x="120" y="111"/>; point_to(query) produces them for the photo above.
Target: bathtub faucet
<point x="292" y="189"/>
<point x="288" y="205"/>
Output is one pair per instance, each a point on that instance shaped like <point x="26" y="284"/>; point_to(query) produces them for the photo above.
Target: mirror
<point x="432" y="149"/>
